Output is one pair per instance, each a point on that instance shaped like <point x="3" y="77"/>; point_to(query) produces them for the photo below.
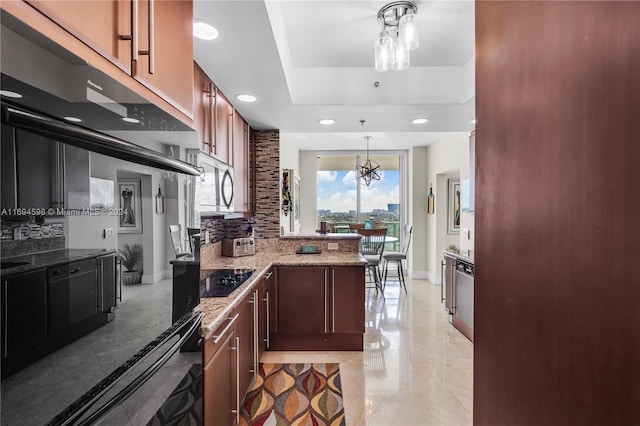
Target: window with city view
<point x="344" y="199"/>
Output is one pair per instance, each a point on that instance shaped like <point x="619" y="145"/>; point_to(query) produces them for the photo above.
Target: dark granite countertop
<point x="186" y="260"/>
<point x="46" y="259"/>
<point x="462" y="257"/>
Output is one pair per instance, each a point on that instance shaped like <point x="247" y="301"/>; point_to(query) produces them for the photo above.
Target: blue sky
<point x="337" y="191"/>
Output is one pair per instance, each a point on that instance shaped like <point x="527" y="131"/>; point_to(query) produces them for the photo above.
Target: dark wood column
<point x="557" y="248"/>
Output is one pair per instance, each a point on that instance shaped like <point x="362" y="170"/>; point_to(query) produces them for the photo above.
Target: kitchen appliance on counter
<point x="238" y="247"/>
<point x="222" y="282"/>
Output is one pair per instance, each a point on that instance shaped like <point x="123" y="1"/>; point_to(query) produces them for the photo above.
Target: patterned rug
<point x="294" y="394"/>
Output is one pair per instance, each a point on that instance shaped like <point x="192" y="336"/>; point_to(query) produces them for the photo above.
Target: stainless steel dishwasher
<point x="464" y="292"/>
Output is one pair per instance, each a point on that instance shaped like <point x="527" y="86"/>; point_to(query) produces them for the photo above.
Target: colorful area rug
<point x="294" y="394"/>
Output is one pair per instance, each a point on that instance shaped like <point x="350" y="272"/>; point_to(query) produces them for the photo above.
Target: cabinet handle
<point x="333" y="301"/>
<point x="255" y="334"/>
<point x="134" y="29"/>
<point x="6" y="317"/>
<point x="325" y="301"/>
<point x="268" y="275"/>
<point x="75" y="271"/>
<point x="268" y="326"/>
<point x="152" y="36"/>
<point x="101" y="286"/>
<point x="237" y="410"/>
<point x="217" y="338"/>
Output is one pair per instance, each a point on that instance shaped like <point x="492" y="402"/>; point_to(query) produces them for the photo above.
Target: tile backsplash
<point x="30" y="231"/>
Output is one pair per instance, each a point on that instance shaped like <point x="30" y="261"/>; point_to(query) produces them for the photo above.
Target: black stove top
<point x="222" y="282"/>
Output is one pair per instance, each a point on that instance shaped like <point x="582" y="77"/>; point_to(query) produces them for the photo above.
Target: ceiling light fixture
<point x="130" y="120"/>
<point x="73" y="119"/>
<point x="419" y="120"/>
<point x="205" y="31"/>
<point x="368" y="171"/>
<point x="398" y="37"/>
<point x="326" y="121"/>
<point x="244" y="97"/>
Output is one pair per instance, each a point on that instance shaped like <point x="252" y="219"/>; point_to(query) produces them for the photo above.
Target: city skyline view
<point x="337" y="191"/>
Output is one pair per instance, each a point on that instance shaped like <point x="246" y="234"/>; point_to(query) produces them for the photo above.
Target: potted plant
<point x="130" y="256"/>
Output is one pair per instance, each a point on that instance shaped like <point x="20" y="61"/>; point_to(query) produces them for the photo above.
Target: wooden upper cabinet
<point x="203" y="108"/>
<point x="165" y="49"/>
<point x="151" y="40"/>
<point x="104" y="25"/>
<point x="223" y="114"/>
<point x="240" y="136"/>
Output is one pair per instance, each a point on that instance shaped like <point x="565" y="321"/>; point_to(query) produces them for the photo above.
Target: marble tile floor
<point x="416" y="369"/>
<point x="37" y="393"/>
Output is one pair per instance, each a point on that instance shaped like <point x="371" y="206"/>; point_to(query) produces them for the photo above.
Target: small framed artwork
<point x="130" y="206"/>
<point x="454" y="210"/>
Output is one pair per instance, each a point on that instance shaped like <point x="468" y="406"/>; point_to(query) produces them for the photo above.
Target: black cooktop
<point x="222" y="282"/>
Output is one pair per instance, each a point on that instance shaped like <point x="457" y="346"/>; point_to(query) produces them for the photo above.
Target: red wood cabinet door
<point x="240" y="162"/>
<point x="203" y="108"/>
<point x="346" y="305"/>
<point x="244" y="332"/>
<point x="165" y="38"/>
<point x="219" y="383"/>
<point x="302" y="300"/>
<point x="103" y="25"/>
<point x="222" y="126"/>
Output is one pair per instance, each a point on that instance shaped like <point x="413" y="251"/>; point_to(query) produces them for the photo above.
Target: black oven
<point x="161" y="384"/>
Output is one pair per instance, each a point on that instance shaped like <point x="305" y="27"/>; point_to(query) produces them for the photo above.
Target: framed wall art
<point x="454" y="208"/>
<point x="129" y="206"/>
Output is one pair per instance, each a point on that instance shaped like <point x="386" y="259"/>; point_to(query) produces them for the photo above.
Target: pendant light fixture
<point x="398" y="37"/>
<point x="368" y="171"/>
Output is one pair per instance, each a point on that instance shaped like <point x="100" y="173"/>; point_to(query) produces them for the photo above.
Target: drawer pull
<point x="217" y="338"/>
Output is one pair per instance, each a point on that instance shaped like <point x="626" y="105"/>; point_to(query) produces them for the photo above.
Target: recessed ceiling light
<point x="327" y="121"/>
<point x="204" y="31"/>
<point x="473" y="121"/>
<point x="73" y="119"/>
<point x="10" y="94"/>
<point x="419" y="120"/>
<point x="246" y="98"/>
<point x="130" y="120"/>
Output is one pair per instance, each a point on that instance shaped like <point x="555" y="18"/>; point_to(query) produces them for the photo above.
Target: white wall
<point x="289" y="159"/>
<point x="447" y="158"/>
<point x="88" y="231"/>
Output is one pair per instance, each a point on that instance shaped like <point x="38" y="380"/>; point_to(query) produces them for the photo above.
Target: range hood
<point x="55" y="84"/>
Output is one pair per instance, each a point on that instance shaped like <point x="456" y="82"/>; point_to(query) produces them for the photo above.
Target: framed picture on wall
<point x="454" y="208"/>
<point x="129" y="206"/>
<point x="295" y="217"/>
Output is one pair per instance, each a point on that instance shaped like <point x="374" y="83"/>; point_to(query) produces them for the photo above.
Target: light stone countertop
<point x="215" y="310"/>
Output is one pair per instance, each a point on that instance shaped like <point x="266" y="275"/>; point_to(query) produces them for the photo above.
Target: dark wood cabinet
<point x="203" y="108"/>
<point x="222" y="129"/>
<point x="240" y="137"/>
<point x="346" y="286"/>
<point x="150" y="40"/>
<point x="302" y="300"/>
<point x="319" y="308"/>
<point x="104" y="25"/>
<point x="24" y="319"/>
<point x="245" y="332"/>
<point x="266" y="310"/>
<point x="220" y="391"/>
<point x="165" y="50"/>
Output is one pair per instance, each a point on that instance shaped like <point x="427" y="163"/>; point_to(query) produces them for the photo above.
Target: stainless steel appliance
<point x="222" y="282"/>
<point x="238" y="247"/>
<point x="463" y="318"/>
<point x="213" y="192"/>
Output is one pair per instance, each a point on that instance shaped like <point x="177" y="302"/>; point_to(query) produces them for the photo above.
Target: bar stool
<point x="398" y="257"/>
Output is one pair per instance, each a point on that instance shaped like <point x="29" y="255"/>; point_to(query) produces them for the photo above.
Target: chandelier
<point x="368" y="171"/>
<point x="398" y="37"/>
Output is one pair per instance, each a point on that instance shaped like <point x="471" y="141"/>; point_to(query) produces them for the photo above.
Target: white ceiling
<point x="310" y="59"/>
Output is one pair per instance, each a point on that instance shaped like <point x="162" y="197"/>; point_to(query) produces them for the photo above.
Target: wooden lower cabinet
<point x="319" y="308"/>
<point x="244" y="329"/>
<point x="220" y="377"/>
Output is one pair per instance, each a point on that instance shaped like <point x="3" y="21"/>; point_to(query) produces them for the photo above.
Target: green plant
<point x="130" y="255"/>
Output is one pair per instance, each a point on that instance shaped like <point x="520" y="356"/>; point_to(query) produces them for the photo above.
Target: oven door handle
<point x="74" y="412"/>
